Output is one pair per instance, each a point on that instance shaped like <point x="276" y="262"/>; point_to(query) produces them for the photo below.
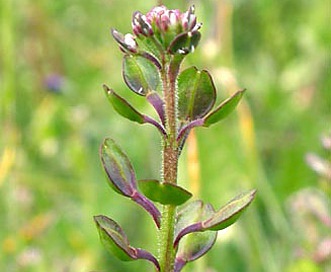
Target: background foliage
<point x="54" y="57"/>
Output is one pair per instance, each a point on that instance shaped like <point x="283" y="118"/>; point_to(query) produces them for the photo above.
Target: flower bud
<point x="127" y="42"/>
<point x="154" y="13"/>
<point x="189" y="20"/>
<point x="141" y="25"/>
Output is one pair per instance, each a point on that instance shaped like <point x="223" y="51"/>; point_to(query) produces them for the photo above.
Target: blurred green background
<point x="55" y="55"/>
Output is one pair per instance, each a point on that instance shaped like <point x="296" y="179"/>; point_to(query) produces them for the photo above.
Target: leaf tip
<point x="107" y="89"/>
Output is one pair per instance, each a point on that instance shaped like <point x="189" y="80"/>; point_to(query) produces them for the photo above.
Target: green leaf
<point x="140" y="74"/>
<point x="116" y="242"/>
<point x="113" y="238"/>
<point x="196" y="93"/>
<point x="118" y="168"/>
<point x="126" y="110"/>
<point x="229" y="213"/>
<point x="123" y="107"/>
<point x="164" y="193"/>
<point x="223" y="110"/>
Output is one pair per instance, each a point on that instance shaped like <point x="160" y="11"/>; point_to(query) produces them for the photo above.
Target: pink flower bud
<point x="189" y="20"/>
<point x="127" y="42"/>
<point x="163" y="21"/>
<point x="154" y="13"/>
<point x="174" y="17"/>
<point x="140" y="25"/>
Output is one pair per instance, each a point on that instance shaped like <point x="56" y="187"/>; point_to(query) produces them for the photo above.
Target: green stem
<point x="167" y="252"/>
<point x="169" y="165"/>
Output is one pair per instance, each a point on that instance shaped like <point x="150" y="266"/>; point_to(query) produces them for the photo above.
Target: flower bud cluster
<point x="162" y="24"/>
<point x="161" y="20"/>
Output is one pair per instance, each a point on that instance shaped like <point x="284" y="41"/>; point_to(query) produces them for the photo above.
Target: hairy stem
<point x="169" y="166"/>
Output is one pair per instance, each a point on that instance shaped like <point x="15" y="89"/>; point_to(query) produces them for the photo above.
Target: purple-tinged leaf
<point x="118" y="167"/>
<point x="148" y="206"/>
<point x="113" y="238"/>
<point x="221" y="219"/>
<point x="123" y="107"/>
<point x="156" y="124"/>
<point x="196" y="94"/>
<point x="121" y="176"/>
<point x="140" y="74"/>
<point x="164" y="193"/>
<point x="126" y="110"/>
<point x="224" y="109"/>
<point x="116" y="242"/>
<point x="151" y="58"/>
<point x="230" y="212"/>
<point x="190" y="217"/>
<point x="194" y="246"/>
<point x="145" y="255"/>
<point x="184" y="130"/>
<point x="158" y="103"/>
<point x="197" y="243"/>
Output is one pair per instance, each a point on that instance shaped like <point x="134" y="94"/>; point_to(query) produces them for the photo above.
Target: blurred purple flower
<point x="54" y="82"/>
